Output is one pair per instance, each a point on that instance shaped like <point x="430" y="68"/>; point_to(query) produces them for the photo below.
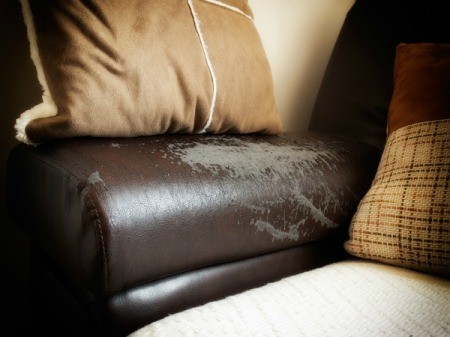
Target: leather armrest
<point x="117" y="213"/>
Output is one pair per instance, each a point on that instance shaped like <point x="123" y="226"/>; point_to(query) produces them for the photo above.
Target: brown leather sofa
<point x="140" y="228"/>
<point x="127" y="231"/>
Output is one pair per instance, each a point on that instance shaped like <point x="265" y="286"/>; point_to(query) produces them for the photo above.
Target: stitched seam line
<point x="232" y="8"/>
<point x="197" y="25"/>
<point x="101" y="247"/>
<point x="198" y="28"/>
<point x="99" y="234"/>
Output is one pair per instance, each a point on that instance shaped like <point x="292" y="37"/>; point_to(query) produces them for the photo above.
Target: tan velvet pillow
<point x="131" y="68"/>
<point x="404" y="219"/>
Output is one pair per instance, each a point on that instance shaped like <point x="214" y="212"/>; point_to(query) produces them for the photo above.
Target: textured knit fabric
<point x="404" y="219"/>
<point x="351" y="298"/>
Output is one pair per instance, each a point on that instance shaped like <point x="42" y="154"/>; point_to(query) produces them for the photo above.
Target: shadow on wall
<point x="18" y="91"/>
<point x="298" y="36"/>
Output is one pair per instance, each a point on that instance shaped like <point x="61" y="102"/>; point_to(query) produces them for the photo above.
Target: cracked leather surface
<point x="118" y="213"/>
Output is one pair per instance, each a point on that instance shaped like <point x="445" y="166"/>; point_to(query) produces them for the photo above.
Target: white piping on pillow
<point x="197" y="24"/>
<point x="232" y="8"/>
<point x="208" y="62"/>
<point x="48" y="107"/>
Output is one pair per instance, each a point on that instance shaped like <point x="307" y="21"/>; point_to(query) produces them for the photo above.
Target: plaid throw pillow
<point x="404" y="219"/>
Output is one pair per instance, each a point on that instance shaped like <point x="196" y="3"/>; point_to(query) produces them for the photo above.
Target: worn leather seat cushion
<point x="117" y="213"/>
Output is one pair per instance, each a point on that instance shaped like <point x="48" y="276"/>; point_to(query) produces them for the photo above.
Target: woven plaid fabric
<point x="404" y="219"/>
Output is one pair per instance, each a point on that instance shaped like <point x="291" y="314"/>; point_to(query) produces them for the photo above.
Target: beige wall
<point x="298" y="36"/>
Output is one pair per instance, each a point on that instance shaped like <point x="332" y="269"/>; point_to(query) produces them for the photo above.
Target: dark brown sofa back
<point x="357" y="87"/>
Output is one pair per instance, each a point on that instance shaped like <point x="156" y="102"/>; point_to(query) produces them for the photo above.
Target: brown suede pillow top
<point x="404" y="219"/>
<point x="422" y="85"/>
<point x="130" y="68"/>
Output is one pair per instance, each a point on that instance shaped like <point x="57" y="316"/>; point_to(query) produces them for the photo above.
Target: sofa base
<point x="124" y="313"/>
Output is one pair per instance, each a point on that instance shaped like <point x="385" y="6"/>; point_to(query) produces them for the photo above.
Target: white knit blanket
<point x="349" y="298"/>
